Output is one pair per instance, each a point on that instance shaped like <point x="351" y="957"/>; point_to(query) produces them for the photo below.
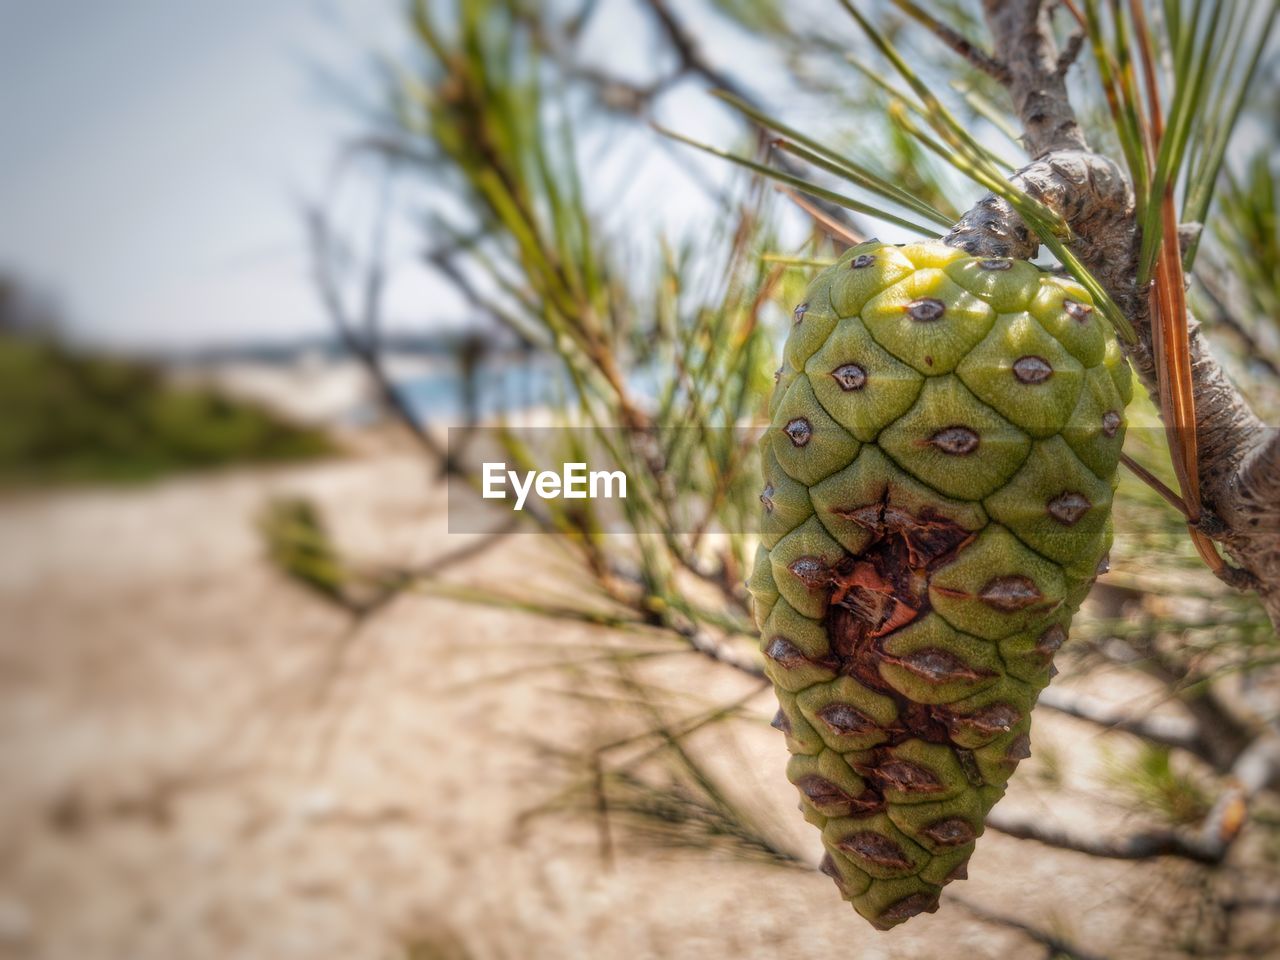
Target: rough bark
<point x="1239" y="457"/>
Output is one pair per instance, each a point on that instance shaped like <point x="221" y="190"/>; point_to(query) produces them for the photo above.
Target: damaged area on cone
<point x="937" y="495"/>
<point x="871" y="600"/>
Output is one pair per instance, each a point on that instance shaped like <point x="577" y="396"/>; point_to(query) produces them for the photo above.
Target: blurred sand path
<point x="203" y="761"/>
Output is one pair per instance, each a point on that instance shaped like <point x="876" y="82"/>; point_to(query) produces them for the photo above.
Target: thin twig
<point x="979" y="59"/>
<point x="1224" y="735"/>
<point x="1182" y="733"/>
<point x="448" y="561"/>
<point x="359" y="344"/>
<point x="1156" y="484"/>
<point x="1056" y="944"/>
<point x="701" y="643"/>
<point x="834" y="228"/>
<point x="1075" y="11"/>
<point x="1214" y="293"/>
<point x="1071" y="52"/>
<point x="692" y="60"/>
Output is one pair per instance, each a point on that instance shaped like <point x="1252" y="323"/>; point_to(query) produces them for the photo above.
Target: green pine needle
<point x="802" y="185"/>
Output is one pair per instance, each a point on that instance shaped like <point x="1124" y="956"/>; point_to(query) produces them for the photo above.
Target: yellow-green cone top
<point x="938" y="476"/>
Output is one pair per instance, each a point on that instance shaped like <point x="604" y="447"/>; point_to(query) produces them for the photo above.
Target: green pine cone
<point x="938" y="480"/>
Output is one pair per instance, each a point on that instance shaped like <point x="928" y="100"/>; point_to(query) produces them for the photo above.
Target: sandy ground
<point x="201" y="760"/>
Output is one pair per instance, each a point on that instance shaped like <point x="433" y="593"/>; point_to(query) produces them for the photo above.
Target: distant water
<point x="503" y="386"/>
<point x="507" y="385"/>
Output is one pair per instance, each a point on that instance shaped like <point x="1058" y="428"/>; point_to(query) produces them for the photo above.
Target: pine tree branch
<point x="1257" y="495"/>
<point x="1179" y="732"/>
<point x="1146" y="845"/>
<point x="1239" y="458"/>
<point x="1022" y="29"/>
<point x="1256" y="769"/>
<point x="1221" y="734"/>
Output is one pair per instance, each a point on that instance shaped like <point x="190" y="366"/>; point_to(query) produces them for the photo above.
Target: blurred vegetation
<point x="69" y="415"/>
<point x="301" y="545"/>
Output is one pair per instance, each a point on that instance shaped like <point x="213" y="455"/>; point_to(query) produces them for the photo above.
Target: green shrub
<point x="68" y="416"/>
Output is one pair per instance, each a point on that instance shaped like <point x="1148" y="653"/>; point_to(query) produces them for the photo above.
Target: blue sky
<point x="155" y="157"/>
